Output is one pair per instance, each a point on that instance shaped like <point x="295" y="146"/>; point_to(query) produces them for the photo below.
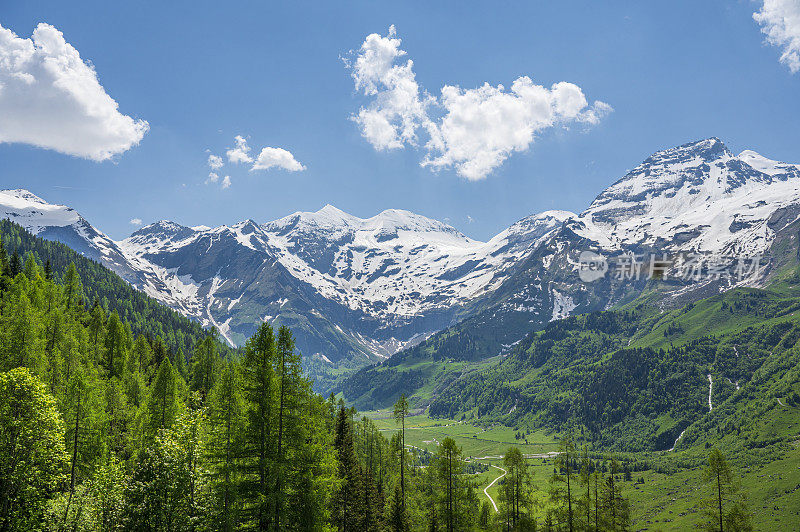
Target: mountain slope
<point x="694" y="202"/>
<point x="358" y="290"/>
<point x="353" y="290"/>
<point x="144" y="314"/>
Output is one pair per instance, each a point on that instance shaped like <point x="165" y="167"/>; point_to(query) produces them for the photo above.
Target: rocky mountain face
<point x="686" y="223"/>
<point x="358" y="290"/>
<point x="353" y="290"/>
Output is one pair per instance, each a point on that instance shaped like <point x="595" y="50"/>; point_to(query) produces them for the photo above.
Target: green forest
<point x="113" y="420"/>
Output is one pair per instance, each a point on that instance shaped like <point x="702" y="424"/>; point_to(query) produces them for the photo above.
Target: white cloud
<point x="51" y="98"/>
<point x="398" y="109"/>
<point x="482" y="127"/>
<point x="780" y="22"/>
<point x="226" y="182"/>
<point x="215" y="162"/>
<point x="136" y="221"/>
<point x="213" y="177"/>
<point x="241" y="153"/>
<point x="477" y="130"/>
<point x="277" y="158"/>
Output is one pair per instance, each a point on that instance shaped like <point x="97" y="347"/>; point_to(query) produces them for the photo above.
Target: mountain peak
<point x="330" y="209"/>
<point x="767" y="166"/>
<point x="161" y="225"/>
<point x="23" y="194"/>
<point x="709" y="149"/>
<point x="31" y="211"/>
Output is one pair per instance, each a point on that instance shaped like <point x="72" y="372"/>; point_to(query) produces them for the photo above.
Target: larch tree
<point x="726" y="509"/>
<point x="258" y="375"/>
<point x="400" y="413"/>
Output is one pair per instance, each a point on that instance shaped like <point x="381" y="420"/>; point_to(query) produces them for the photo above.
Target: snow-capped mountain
<point x="61" y="223"/>
<point x="381" y="282"/>
<point x="354" y="289"/>
<point x="695" y="200"/>
<point x="351" y="288"/>
<point x="698" y="197"/>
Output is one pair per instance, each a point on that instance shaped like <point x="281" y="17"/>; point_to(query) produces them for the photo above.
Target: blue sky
<point x="201" y="73"/>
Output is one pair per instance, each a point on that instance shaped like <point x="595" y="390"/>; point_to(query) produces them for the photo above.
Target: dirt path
<point x="486" y="489"/>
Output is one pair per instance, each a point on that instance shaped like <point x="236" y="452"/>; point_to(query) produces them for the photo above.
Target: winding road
<point x="486" y="489"/>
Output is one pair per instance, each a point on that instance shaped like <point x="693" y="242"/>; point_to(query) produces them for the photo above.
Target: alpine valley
<point x="356" y="291"/>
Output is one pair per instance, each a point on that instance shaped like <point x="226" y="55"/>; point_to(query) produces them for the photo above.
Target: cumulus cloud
<point x="780" y="23"/>
<point x="241" y="153"/>
<point x="213" y="177"/>
<point x="277" y="158"/>
<point x="215" y="162"/>
<point x="226" y="182"/>
<point x="471" y="130"/>
<point x="482" y="127"/>
<point x="136" y="221"/>
<point x="51" y="98"/>
<point x="398" y="108"/>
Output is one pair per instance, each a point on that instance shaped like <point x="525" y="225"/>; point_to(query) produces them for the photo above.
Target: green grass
<point x="666" y="501"/>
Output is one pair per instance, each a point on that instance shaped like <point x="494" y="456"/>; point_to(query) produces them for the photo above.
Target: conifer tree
<point x="162" y="406"/>
<point x="615" y="507"/>
<point x="226" y="417"/>
<point x="563" y="485"/>
<point x="259" y="391"/>
<point x="398" y="520"/>
<point x="289" y="373"/>
<point x="515" y="490"/>
<point x="15" y="265"/>
<point x="205" y="365"/>
<point x="726" y="509"/>
<point x="585" y="501"/>
<point x="73" y="289"/>
<point x="400" y="413"/>
<point x="458" y="503"/>
<point x="114" y="345"/>
<point x="347" y="507"/>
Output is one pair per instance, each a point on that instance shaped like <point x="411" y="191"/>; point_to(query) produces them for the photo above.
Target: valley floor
<point x="662" y="502"/>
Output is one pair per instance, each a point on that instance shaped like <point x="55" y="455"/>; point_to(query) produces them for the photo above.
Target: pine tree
<point x="97" y="320"/>
<point x="15" y="265"/>
<point x="289" y="373"/>
<point x="205" y="365"/>
<point x="81" y="411"/>
<point x="726" y="509"/>
<point x="563" y="485"/>
<point x="585" y="501"/>
<point x="114" y="345"/>
<point x="347" y="507"/>
<point x="259" y="392"/>
<point x="400" y="413"/>
<point x="615" y="507"/>
<point x="163" y="405"/>
<point x="73" y="289"/>
<point x="226" y="420"/>
<point x="485" y="518"/>
<point x="398" y="520"/>
<point x="515" y="490"/>
<point x="458" y="503"/>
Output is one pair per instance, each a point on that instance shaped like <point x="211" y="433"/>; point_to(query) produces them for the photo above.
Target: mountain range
<point x="355" y="291"/>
